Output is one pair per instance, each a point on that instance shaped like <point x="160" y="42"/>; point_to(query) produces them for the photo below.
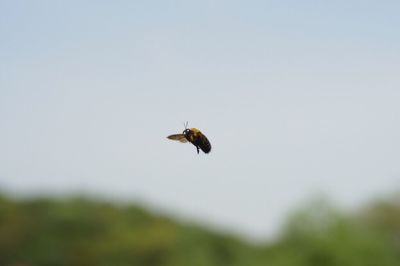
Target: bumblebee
<point x="194" y="136"/>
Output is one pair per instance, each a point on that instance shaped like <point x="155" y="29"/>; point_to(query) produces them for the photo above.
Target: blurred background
<point x="299" y="100"/>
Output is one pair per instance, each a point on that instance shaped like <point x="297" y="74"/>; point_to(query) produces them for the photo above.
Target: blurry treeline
<point x="78" y="231"/>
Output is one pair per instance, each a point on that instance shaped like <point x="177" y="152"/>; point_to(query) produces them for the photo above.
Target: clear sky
<point x="298" y="98"/>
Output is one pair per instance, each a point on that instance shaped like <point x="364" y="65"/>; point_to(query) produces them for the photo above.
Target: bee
<point x="194" y="136"/>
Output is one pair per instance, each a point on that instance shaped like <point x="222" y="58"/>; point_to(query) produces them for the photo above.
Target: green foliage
<point x="319" y="235"/>
<point x="41" y="232"/>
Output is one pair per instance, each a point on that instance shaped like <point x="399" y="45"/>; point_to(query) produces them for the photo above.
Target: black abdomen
<point x="204" y="144"/>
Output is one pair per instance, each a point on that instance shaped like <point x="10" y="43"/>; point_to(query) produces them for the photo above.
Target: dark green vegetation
<point x="41" y="232"/>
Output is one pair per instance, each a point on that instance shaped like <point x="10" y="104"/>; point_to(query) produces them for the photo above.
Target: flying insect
<point x="194" y="136"/>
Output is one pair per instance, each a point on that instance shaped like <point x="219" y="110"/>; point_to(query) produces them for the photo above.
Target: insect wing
<point x="178" y="137"/>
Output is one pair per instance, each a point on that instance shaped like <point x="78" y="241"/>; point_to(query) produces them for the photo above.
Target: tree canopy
<point x="80" y="231"/>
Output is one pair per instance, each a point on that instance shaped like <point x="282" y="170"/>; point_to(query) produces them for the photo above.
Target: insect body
<point x="194" y="136"/>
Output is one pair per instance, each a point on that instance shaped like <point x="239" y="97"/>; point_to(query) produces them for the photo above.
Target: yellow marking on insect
<point x="195" y="130"/>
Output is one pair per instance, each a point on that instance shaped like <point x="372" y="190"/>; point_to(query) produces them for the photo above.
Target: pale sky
<point x="298" y="98"/>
